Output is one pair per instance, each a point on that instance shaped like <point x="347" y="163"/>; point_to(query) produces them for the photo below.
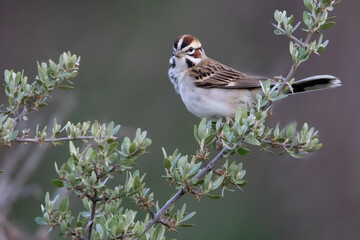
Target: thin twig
<point x="152" y="214"/>
<point x="162" y="211"/>
<point x="19" y="164"/>
<point x="92" y="215"/>
<point x="286" y="80"/>
<point x="210" y="165"/>
<point x="295" y="39"/>
<point x="181" y="192"/>
<point x="51" y="140"/>
<point x="283" y="145"/>
<point x="21" y="115"/>
<point x="303" y="44"/>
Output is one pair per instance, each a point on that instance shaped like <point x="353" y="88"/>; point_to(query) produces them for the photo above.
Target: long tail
<point x="315" y="83"/>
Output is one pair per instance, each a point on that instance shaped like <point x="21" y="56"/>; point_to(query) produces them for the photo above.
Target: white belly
<point x="214" y="103"/>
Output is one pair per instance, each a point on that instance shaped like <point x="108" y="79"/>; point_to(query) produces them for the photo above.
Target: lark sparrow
<point x="213" y="90"/>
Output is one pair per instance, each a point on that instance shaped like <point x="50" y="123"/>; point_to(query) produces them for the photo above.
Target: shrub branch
<point x="181" y="192"/>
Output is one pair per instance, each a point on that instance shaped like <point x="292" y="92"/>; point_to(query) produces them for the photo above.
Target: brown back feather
<point x="212" y="74"/>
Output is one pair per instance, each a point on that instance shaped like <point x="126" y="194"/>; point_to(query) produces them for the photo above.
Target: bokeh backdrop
<point x="125" y="47"/>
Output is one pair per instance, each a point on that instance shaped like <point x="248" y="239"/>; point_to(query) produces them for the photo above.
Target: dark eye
<point x="191" y="49"/>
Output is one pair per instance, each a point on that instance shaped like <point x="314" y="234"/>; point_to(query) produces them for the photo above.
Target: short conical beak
<point x="177" y="53"/>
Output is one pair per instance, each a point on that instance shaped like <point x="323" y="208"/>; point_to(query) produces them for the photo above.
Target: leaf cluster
<point x="87" y="172"/>
<point x="24" y="97"/>
<point x="315" y="19"/>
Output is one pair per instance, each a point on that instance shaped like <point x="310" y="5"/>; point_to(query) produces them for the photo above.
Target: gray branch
<point x="51" y="140"/>
<point x="181" y="192"/>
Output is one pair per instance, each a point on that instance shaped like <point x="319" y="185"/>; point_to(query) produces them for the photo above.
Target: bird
<point x="212" y="90"/>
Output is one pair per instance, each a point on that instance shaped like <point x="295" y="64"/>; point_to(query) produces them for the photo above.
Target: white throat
<point x="179" y="67"/>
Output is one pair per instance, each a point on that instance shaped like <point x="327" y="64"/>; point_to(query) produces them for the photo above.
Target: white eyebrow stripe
<point x="180" y="43"/>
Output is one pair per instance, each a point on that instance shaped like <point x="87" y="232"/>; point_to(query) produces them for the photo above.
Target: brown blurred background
<point x="125" y="47"/>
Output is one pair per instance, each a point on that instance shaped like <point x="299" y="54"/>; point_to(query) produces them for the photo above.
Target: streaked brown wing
<point x="212" y="74"/>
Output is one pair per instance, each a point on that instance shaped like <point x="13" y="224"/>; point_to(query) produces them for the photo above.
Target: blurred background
<point x="125" y="47"/>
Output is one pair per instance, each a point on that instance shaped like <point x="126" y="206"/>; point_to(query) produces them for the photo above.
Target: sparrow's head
<point x="187" y="52"/>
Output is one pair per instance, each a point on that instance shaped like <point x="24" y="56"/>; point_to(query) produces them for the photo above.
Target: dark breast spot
<point x="173" y="64"/>
<point x="189" y="63"/>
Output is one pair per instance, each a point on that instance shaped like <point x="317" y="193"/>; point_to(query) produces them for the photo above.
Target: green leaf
<point x="304" y="130"/>
<point x="40" y="221"/>
<point x="66" y="75"/>
<point x="125" y="146"/>
<point x="252" y="141"/>
<point x="188" y="216"/>
<point x="266" y="85"/>
<point x="277" y="15"/>
<point x="72" y="148"/>
<point x="207" y="179"/>
<point x="85" y="214"/>
<point x="218" y="182"/>
<point x="277" y="32"/>
<point x="332" y="18"/>
<point x="279" y="97"/>
<point x="186" y="224"/>
<point x="64" y="205"/>
<point x="164" y="152"/>
<point x="158" y="233"/>
<point x="167" y="163"/>
<point x="132" y="148"/>
<point x="57" y="183"/>
<point x="296" y="155"/>
<point x="195" y="169"/>
<point x="115" y="130"/>
<point x="65" y="87"/>
<point x="290" y="21"/>
<point x="307" y="19"/>
<point x="196" y="135"/>
<point x="315" y="148"/>
<point x="320" y="49"/>
<point x="176" y="176"/>
<point x="110" y="127"/>
<point x="213" y="196"/>
<point x="13" y="135"/>
<point x="209" y="139"/>
<point x="90" y="155"/>
<point x="327" y="25"/>
<point x="296" y="26"/>
<point x="175" y="161"/>
<point x="181" y="211"/>
<point x="48" y="231"/>
<point x="244" y="151"/>
<point x="291" y="130"/>
<point x="202" y="131"/>
<point x="242" y="183"/>
<point x="308" y="4"/>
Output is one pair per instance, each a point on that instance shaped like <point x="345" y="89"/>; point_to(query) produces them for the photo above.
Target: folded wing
<point x="212" y="74"/>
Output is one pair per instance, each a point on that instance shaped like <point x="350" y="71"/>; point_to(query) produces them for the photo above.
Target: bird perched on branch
<point x="213" y="90"/>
